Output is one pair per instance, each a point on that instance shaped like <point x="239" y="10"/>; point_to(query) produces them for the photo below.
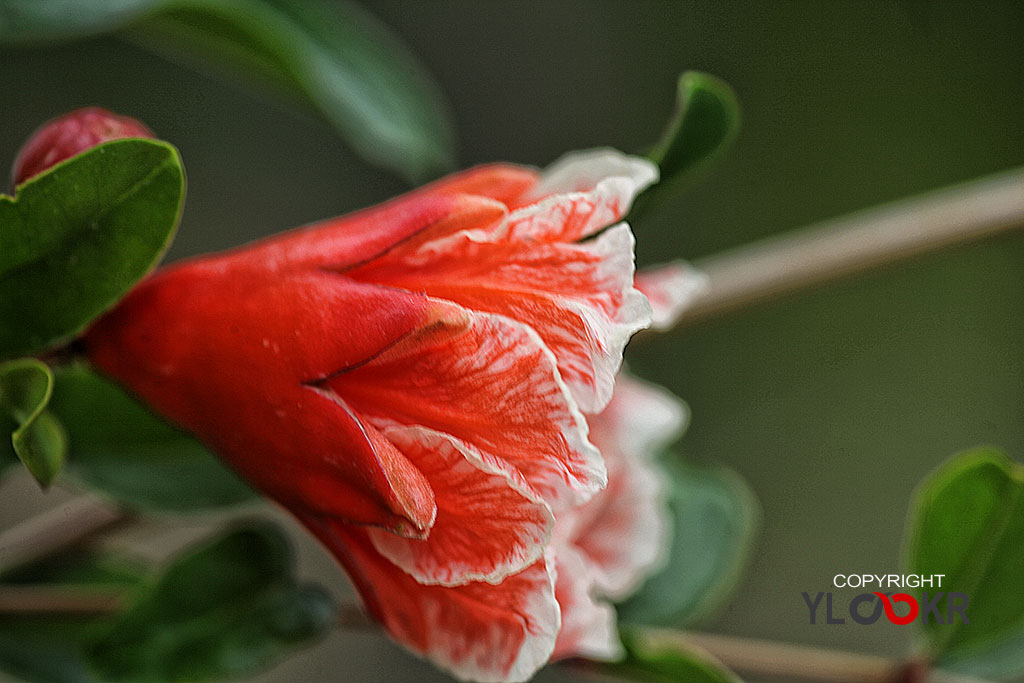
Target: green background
<point x="832" y="404"/>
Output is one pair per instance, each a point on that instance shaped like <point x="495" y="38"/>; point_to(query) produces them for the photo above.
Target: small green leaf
<point x="227" y="609"/>
<point x="967" y="523"/>
<point x="78" y="236"/>
<point x="119" y="447"/>
<point x="702" y="128"/>
<point x="335" y="57"/>
<point x="665" y="657"/>
<point x="38" y="438"/>
<point x="715" y="516"/>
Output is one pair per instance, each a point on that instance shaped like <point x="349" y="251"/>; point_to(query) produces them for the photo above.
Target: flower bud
<point x="71" y="134"/>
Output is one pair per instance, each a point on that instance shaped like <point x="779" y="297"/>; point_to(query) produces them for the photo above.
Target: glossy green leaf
<point x="225" y="610"/>
<point x="335" y="57"/>
<point x="967" y="523"/>
<point x="715" y="516"/>
<point x="119" y="447"/>
<point x="665" y="657"/>
<point x="702" y="128"/>
<point x="49" y="648"/>
<point x="76" y="238"/>
<point x="37" y="437"/>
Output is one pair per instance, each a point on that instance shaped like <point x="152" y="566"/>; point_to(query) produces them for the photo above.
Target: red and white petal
<point x="588" y="626"/>
<point x="489" y="382"/>
<point x="578" y="297"/>
<point x="584" y="170"/>
<point x="641" y="419"/>
<point x="670" y="289"/>
<point x="581" y="195"/>
<point x="625" y="530"/>
<point x="478" y="631"/>
<point x="489" y="524"/>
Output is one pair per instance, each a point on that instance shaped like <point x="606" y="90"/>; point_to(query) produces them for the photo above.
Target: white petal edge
<point x="644" y="417"/>
<point x="536" y="649"/>
<point x="609" y="188"/>
<point x="585" y="169"/>
<point x="615" y="249"/>
<point x="671" y="289"/>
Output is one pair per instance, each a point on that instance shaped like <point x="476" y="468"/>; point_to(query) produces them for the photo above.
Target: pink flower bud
<point x="71" y="134"/>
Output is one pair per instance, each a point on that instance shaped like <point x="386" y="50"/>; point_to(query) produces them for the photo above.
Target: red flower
<point x="606" y="547"/>
<point x="410" y="381"/>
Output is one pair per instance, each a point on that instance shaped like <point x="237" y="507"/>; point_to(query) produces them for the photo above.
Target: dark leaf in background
<point x="226" y="609"/>
<point x="48" y="648"/>
<point x="77" y="237"/>
<point x="967" y="522"/>
<point x="37" y="437"/>
<point x="119" y="447"/>
<point x="335" y="57"/>
<point x="715" y="517"/>
<point x="664" y="657"/>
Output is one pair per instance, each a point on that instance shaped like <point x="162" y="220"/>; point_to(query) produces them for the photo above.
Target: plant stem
<point x="852" y="244"/>
<point x="790" y="662"/>
<point x="67" y="599"/>
<point x="55" y="530"/>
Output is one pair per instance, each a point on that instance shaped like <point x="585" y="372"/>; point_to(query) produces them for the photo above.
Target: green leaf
<point x="665" y="657"/>
<point x="967" y="523"/>
<point x="702" y="128"/>
<point x="119" y="447"/>
<point x="227" y="609"/>
<point x="335" y="57"/>
<point x="715" y="516"/>
<point x="37" y="438"/>
<point x="49" y="648"/>
<point x="77" y="237"/>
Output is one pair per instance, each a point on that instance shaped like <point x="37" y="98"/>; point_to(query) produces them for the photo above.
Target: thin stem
<point x="792" y="662"/>
<point x="55" y="530"/>
<point x="852" y="244"/>
<point x="67" y="599"/>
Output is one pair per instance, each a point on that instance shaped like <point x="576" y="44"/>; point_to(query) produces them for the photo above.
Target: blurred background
<point x="832" y="404"/>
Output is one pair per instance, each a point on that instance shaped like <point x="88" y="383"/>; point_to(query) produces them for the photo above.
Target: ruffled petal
<point x="478" y="631"/>
<point x="588" y="625"/>
<point x="626" y="532"/>
<point x="578" y="297"/>
<point x="583" y="170"/>
<point x="670" y="289"/>
<point x="641" y="419"/>
<point x="489" y="382"/>
<point x="490" y="523"/>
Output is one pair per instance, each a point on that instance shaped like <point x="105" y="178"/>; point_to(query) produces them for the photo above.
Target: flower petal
<point x="490" y="382"/>
<point x="624" y="531"/>
<point x="478" y="631"/>
<point x="588" y="626"/>
<point x="349" y="240"/>
<point x="641" y="420"/>
<point x="226" y="356"/>
<point x="580" y="171"/>
<point x="670" y="289"/>
<point x="490" y="523"/>
<point x="578" y="297"/>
